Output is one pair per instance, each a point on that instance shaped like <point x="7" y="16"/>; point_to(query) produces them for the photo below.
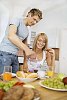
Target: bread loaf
<point x="32" y="75"/>
<point x="20" y="74"/>
<point x="26" y="74"/>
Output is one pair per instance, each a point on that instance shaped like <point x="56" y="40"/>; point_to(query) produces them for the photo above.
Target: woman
<point x="45" y="57"/>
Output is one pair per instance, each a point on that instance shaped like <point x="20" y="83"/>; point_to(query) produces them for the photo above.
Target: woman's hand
<point x="51" y="51"/>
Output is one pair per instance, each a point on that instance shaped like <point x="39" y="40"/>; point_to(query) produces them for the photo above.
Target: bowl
<point x="26" y="80"/>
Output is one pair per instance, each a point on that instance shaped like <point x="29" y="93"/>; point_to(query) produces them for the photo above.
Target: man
<point x="15" y="39"/>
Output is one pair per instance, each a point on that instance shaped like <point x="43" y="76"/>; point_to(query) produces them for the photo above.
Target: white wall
<point x="63" y="51"/>
<point x="54" y="16"/>
<point x="54" y="20"/>
<point x="4" y="18"/>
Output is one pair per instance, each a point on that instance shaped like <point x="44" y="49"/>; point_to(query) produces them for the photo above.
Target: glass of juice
<point x="7" y="74"/>
<point x="50" y="73"/>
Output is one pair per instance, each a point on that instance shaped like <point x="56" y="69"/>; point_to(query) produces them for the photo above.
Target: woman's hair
<point x="36" y="12"/>
<point x="36" y="38"/>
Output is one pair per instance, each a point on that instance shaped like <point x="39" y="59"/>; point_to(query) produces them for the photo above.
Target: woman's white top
<point x="38" y="65"/>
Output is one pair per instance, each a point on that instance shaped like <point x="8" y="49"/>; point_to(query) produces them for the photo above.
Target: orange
<point x="7" y="76"/>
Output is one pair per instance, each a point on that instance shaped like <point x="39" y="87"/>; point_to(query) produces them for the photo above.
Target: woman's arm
<point x="25" y="65"/>
<point x="50" y="55"/>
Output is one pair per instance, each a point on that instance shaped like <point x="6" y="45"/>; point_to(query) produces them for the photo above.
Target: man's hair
<point x="36" y="12"/>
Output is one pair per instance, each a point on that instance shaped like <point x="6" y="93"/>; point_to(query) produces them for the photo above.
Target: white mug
<point x="41" y="74"/>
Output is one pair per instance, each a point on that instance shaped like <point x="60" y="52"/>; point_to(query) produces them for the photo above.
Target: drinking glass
<point x="7" y="73"/>
<point x="32" y="65"/>
<point x="50" y="72"/>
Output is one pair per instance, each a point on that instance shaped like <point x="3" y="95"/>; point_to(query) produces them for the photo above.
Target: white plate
<point x="26" y="79"/>
<point x="50" y="87"/>
<point x="43" y="77"/>
<point x="38" y="98"/>
<point x="13" y="74"/>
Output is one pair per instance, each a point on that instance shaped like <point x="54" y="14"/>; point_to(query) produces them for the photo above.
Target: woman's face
<point x="40" y="42"/>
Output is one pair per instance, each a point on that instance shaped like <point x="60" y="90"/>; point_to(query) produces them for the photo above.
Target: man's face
<point x="32" y="20"/>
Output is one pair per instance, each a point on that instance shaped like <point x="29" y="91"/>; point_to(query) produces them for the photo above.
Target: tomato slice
<point x="19" y="83"/>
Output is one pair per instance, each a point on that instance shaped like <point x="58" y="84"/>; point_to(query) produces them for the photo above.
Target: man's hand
<point x="30" y="54"/>
<point x="32" y="57"/>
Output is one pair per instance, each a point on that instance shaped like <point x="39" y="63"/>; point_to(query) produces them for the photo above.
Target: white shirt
<point x="38" y="65"/>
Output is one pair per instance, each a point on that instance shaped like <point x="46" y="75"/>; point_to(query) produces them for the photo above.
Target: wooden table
<point x="47" y="94"/>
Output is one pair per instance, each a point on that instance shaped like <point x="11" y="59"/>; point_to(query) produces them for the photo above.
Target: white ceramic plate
<point x="40" y="83"/>
<point x="13" y="74"/>
<point x="38" y="98"/>
<point x="26" y="79"/>
<point x="43" y="77"/>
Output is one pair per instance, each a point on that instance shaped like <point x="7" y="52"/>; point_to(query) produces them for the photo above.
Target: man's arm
<point x="18" y="42"/>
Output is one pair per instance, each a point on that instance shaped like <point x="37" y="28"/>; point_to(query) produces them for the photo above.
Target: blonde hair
<point x="36" y="38"/>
